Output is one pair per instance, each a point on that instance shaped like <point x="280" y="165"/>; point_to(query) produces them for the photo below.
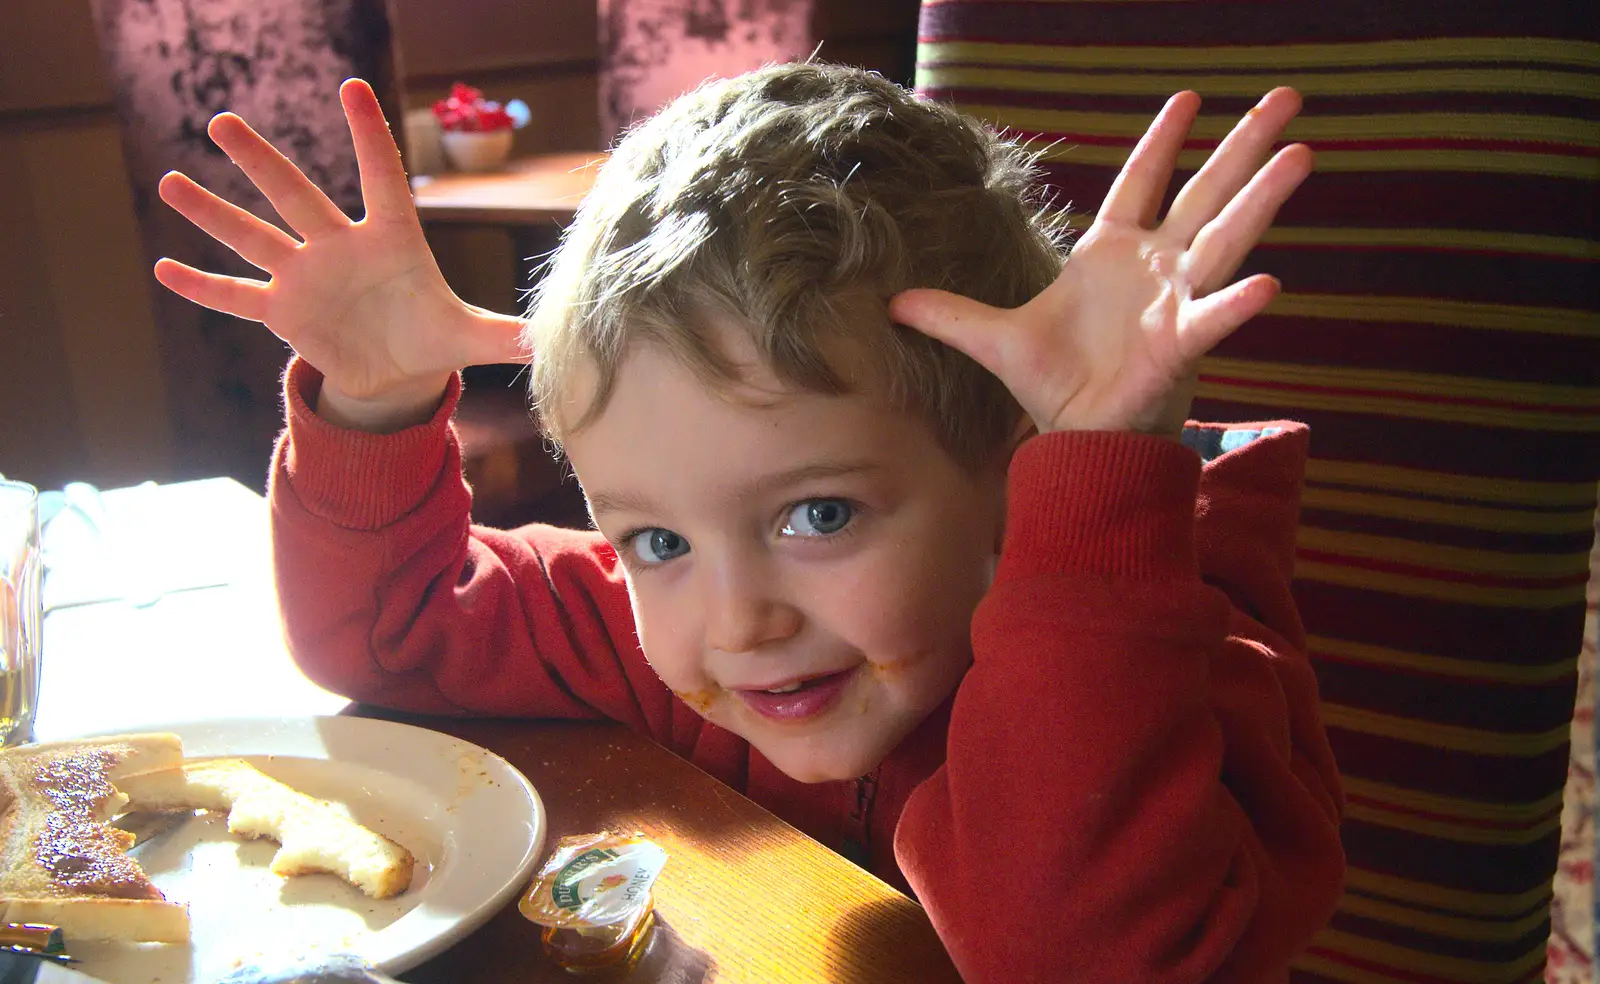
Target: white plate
<point x="474" y="823"/>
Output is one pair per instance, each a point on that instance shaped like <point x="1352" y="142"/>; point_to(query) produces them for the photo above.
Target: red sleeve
<point x="1166" y="809"/>
<point x="390" y="596"/>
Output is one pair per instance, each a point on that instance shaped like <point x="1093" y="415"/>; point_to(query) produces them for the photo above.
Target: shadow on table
<point x="888" y="942"/>
<point x="667" y="959"/>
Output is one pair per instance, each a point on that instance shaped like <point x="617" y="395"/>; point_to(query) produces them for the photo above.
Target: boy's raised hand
<point x="1112" y="343"/>
<point x="364" y="302"/>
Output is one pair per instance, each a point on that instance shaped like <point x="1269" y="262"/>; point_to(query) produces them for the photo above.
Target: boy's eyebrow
<point x="603" y="502"/>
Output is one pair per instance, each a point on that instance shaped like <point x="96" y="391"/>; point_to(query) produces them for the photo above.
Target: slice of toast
<point x="313" y="835"/>
<point x="60" y="863"/>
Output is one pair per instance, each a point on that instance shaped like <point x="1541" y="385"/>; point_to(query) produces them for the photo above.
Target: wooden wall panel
<point x="856" y="19"/>
<point x="438" y="41"/>
<point x="880" y="35"/>
<point x="81" y="393"/>
<point x="49" y="58"/>
<point x="39" y="439"/>
<point x="89" y="262"/>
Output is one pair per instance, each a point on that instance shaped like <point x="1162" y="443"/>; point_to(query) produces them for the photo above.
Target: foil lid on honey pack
<point x="594" y="880"/>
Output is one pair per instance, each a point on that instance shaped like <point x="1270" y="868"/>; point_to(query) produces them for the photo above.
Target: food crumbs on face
<point x="699" y="700"/>
<point x="593" y="899"/>
<point x="893" y="667"/>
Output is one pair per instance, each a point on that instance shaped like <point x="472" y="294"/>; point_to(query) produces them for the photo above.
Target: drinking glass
<point x="21" y="610"/>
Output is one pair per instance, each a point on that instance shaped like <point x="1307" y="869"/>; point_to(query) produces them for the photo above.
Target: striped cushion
<point x="1440" y="332"/>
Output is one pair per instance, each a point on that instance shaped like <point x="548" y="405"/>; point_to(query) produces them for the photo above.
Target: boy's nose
<point x="741" y="617"/>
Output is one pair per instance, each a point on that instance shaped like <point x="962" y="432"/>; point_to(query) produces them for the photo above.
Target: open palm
<point x="362" y="301"/>
<point x="1112" y="343"/>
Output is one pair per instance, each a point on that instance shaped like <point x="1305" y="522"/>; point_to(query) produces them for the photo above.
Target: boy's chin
<point x="817" y="759"/>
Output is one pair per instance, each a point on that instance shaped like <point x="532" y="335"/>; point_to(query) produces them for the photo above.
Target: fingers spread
<point x="1232" y="164"/>
<point x="237" y="296"/>
<point x="1135" y="196"/>
<point x="259" y="243"/>
<point x="1226" y="240"/>
<point x="384" y="188"/>
<point x="307" y="210"/>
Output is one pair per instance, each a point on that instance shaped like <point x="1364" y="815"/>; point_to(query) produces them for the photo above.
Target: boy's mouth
<point x="799" y="700"/>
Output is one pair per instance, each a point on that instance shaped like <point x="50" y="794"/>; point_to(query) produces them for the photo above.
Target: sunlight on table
<point x="124" y="665"/>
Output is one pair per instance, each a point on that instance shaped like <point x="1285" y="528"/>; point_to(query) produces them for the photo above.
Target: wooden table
<point x="744" y="897"/>
<point x="528" y="191"/>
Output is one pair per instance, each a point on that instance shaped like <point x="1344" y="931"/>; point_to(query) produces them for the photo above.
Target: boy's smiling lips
<point x="792" y="681"/>
<point x="816" y="696"/>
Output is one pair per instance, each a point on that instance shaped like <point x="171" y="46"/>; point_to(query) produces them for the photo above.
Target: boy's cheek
<point x="675" y="662"/>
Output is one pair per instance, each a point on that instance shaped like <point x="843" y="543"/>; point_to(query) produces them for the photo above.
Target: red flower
<point x="465" y="109"/>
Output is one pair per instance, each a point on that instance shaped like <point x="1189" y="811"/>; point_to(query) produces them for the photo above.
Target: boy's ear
<point x="1020" y="432"/>
<point x="1025" y="429"/>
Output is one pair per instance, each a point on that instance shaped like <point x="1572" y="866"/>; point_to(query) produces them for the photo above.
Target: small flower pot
<point x="476" y="150"/>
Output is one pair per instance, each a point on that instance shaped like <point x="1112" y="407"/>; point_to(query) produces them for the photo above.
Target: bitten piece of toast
<point x="313" y="835"/>
<point x="60" y="863"/>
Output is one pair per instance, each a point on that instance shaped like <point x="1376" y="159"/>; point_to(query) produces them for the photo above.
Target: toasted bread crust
<point x="59" y="859"/>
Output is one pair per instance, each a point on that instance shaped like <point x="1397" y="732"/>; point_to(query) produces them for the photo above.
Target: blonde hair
<point x="798" y="199"/>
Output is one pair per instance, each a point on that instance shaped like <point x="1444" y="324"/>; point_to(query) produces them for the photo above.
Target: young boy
<point x="978" y="620"/>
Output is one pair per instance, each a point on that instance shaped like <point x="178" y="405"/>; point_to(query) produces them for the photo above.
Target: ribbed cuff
<point x="355" y="479"/>
<point x="1100" y="502"/>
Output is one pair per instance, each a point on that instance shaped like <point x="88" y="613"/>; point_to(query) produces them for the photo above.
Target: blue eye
<point x="657" y="546"/>
<point x="818" y="517"/>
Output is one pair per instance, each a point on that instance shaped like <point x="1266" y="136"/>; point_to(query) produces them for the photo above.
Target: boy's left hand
<point x="1112" y="344"/>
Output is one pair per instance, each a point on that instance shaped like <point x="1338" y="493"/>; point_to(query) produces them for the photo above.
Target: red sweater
<point x="1131" y="783"/>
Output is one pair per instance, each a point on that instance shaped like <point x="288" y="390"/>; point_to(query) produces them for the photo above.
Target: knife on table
<point x="26" y="968"/>
<point x="147" y="825"/>
<point x="22" y="968"/>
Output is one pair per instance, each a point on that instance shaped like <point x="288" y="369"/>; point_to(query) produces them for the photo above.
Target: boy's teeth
<point x="791" y="688"/>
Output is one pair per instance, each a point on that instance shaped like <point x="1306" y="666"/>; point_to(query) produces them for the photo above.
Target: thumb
<point x="962" y="323"/>
<point x="495" y="338"/>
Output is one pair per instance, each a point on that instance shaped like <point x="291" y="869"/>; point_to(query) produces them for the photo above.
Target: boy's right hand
<point x="364" y="302"/>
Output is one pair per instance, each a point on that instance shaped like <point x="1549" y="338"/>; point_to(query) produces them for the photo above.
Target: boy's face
<point x="775" y="540"/>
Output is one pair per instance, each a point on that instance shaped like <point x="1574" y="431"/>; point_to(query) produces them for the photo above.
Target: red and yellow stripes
<point x="1543" y="55"/>
<point x="1440" y="333"/>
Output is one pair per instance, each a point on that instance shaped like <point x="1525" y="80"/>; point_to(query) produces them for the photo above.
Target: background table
<point x="744" y="897"/>
<point x="528" y="191"/>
